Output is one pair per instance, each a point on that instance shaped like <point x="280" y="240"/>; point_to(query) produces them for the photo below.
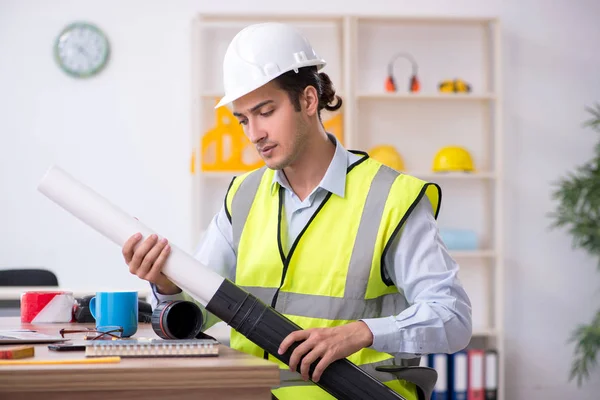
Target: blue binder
<point x="458" y="375"/>
<point x="439" y="362"/>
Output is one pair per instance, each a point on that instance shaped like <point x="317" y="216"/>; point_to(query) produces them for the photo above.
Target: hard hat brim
<point x="229" y="98"/>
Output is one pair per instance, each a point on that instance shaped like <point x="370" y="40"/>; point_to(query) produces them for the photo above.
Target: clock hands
<point x="82" y="51"/>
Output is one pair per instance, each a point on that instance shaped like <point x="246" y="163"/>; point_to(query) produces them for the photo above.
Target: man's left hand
<point x="329" y="344"/>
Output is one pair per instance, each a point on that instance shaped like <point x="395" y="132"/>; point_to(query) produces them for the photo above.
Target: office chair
<point x="22" y="277"/>
<point x="27" y="277"/>
<point x="423" y="377"/>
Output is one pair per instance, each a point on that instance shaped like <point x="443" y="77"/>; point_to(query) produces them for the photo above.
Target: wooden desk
<point x="230" y="375"/>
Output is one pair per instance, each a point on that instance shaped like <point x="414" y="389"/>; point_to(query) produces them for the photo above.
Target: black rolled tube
<point x="177" y="319"/>
<point x="267" y="328"/>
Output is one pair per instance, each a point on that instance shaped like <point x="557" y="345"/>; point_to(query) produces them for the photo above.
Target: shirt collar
<point x="333" y="181"/>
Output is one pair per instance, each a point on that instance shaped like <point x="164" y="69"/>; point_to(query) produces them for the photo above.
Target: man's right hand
<point x="147" y="260"/>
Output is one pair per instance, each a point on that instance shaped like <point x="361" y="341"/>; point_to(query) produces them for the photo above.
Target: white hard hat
<point x="260" y="53"/>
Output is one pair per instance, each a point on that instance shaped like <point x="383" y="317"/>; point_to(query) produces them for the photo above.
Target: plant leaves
<point x="578" y="211"/>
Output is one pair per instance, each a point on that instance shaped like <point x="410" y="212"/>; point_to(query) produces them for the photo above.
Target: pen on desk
<point x="99" y="360"/>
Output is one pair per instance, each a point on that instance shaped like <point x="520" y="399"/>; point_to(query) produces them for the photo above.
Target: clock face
<point x="81" y="50"/>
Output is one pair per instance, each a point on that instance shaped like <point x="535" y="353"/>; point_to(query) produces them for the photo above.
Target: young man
<point x="342" y="245"/>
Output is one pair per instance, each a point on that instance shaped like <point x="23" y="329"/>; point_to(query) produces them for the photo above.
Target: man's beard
<point x="297" y="147"/>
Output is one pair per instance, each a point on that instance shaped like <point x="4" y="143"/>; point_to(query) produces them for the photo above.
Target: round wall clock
<point x="81" y="50"/>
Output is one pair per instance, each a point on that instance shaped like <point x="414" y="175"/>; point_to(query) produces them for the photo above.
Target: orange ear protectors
<point x="414" y="85"/>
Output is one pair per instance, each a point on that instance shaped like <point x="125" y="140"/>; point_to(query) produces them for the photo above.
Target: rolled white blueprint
<point x="181" y="268"/>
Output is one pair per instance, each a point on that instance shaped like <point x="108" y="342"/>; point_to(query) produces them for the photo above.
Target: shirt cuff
<point x="158" y="297"/>
<point x="385" y="334"/>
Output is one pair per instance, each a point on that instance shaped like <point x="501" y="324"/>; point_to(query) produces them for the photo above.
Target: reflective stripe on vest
<point x="323" y="281"/>
<point x="325" y="307"/>
<point x="242" y="203"/>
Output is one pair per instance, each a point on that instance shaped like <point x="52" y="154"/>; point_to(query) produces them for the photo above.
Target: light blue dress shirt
<point x="438" y="319"/>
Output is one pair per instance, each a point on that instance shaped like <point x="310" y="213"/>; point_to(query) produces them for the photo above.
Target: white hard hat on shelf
<point x="260" y="53"/>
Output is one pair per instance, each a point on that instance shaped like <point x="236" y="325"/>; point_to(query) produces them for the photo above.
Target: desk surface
<point x="231" y="374"/>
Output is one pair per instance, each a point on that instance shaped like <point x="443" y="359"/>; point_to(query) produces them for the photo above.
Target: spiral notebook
<point x="153" y="348"/>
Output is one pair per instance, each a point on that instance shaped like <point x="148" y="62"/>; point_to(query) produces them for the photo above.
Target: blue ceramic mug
<point x="116" y="309"/>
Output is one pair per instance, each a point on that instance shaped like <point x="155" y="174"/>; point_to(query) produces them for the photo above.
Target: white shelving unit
<point x="358" y="49"/>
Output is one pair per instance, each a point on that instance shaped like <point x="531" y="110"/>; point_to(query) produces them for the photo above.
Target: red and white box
<point x="47" y="306"/>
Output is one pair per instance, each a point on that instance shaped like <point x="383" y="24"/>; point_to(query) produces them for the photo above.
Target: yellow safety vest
<point x="332" y="274"/>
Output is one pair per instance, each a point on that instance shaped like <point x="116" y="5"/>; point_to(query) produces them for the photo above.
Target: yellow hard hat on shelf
<point x="387" y="155"/>
<point x="453" y="158"/>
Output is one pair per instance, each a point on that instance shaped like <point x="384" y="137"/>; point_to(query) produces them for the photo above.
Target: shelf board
<point x="433" y="19"/>
<point x="209" y="16"/>
<point x="472" y="253"/>
<point x="421" y="175"/>
<point x="484" y="332"/>
<point x="425" y="175"/>
<point x="426" y="96"/>
<point x="399" y="96"/>
<point x="251" y="17"/>
<point x="218" y="95"/>
<point x="211" y="95"/>
<point x="428" y="175"/>
<point x="221" y="174"/>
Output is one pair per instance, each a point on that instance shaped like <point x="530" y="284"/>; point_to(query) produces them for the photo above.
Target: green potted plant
<point x="578" y="196"/>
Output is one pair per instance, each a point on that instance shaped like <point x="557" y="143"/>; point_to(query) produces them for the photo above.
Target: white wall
<point x="551" y="72"/>
<point x="127" y="134"/>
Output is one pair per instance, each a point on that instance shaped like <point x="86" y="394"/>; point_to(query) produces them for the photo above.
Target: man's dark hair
<point x="294" y="84"/>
